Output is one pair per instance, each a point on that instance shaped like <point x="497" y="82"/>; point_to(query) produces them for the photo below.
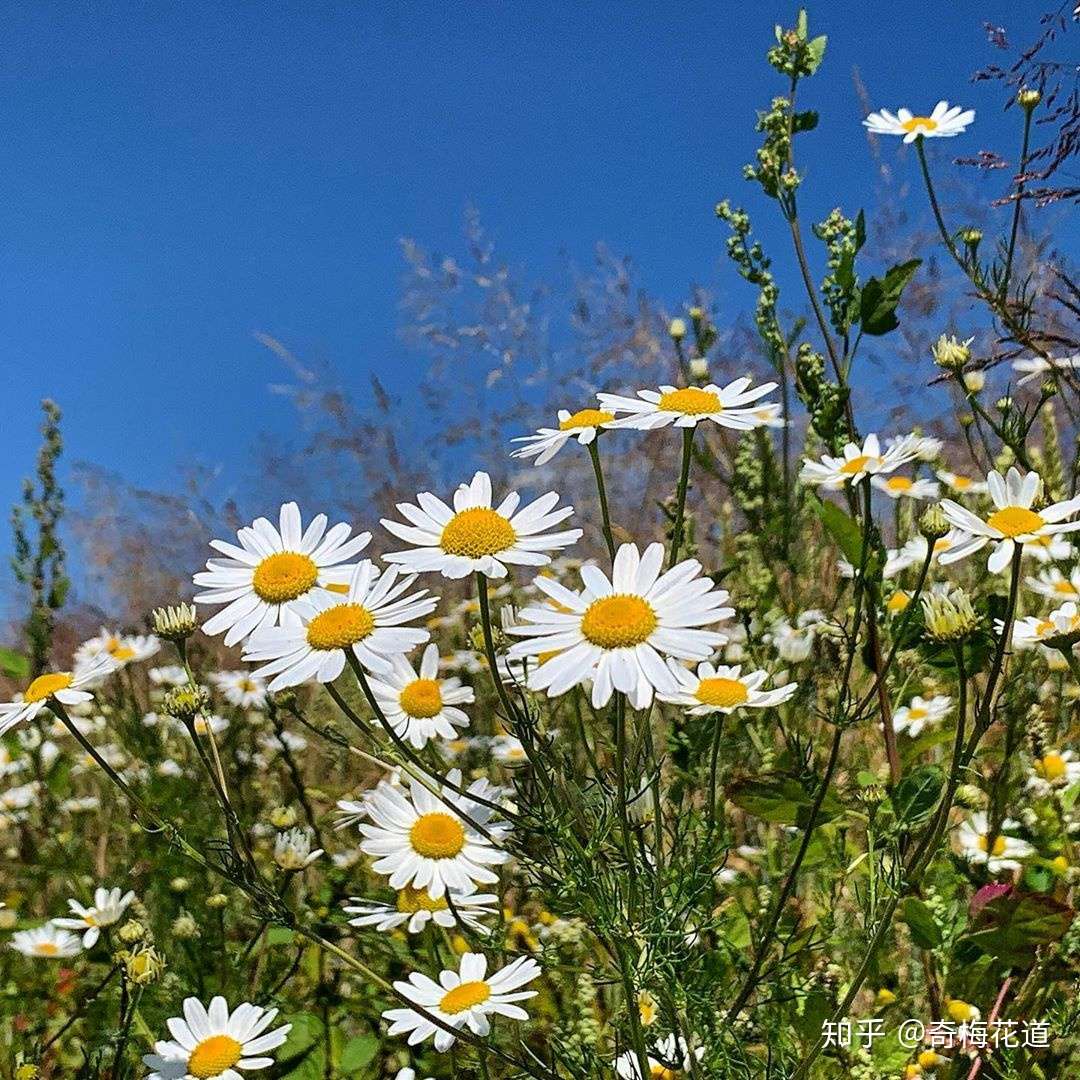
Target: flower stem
<point x="680" y="496"/>
<point x="609" y="539"/>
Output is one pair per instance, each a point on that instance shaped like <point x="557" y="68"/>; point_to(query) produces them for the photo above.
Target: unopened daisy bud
<point x="966" y="419"/>
<point x="933" y="524"/>
<point x="174" y="623"/>
<point x="950" y="617"/>
<point x="184" y="927"/>
<point x="677" y="329"/>
<point x="950" y="352"/>
<point x="459" y="944"/>
<point x="1048" y="388"/>
<point x="885" y="997"/>
<point x="697" y="314"/>
<point x="971" y="236"/>
<point x="186" y="702"/>
<point x="1003" y="404"/>
<point x="144" y="966"/>
<point x="283" y="817"/>
<point x="970" y="797"/>
<point x="131" y="931"/>
<point x="930" y="1059"/>
<point x="974" y="381"/>
<point x="179" y="884"/>
<point x="699" y="367"/>
<point x="27" y="1072"/>
<point x="292" y="849"/>
<point x="1028" y="97"/>
<point x="217" y="901"/>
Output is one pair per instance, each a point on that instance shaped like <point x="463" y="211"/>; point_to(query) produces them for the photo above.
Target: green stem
<point x="1016" y="209"/>
<point x="609" y="539"/>
<point x="489" y="650"/>
<point x="680" y="497"/>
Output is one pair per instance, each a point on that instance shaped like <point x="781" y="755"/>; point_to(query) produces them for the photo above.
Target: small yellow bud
<point x="974" y="381"/>
<point x="1028" y="97"/>
<point x="677" y="329"/>
<point x="950" y="352"/>
<point x="283" y="817"/>
<point x="143" y="967"/>
<point x="885" y="997"/>
<point x="647" y="1008"/>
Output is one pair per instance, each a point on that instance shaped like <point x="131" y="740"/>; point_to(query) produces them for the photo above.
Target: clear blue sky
<point x="177" y="176"/>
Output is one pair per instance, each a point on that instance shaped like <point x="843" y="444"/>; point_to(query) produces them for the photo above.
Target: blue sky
<point x="177" y="177"/>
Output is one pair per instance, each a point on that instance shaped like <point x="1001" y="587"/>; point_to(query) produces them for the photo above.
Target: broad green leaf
<point x="842" y="528"/>
<point x="816" y="49"/>
<point x="14" y="664"/>
<point x="781" y="800"/>
<point x="925" y="931"/>
<point x="1010" y="928"/>
<point x="917" y="794"/>
<point x="880" y="297"/>
<point x="359" y="1051"/>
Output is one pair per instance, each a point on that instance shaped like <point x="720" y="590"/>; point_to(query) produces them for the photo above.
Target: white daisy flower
<point x="508" y="750"/>
<point x="292" y="849"/>
<point x="261" y="581"/>
<point x="669" y="1059"/>
<point x="206" y="725"/>
<point x="1055" y="585"/>
<point x="1008" y="850"/>
<point x="474" y="537"/>
<point x="420" y="707"/>
<point x="925" y="446"/>
<point x="69" y="688"/>
<point x="108" y="908"/>
<point x="1050" y="549"/>
<point x="921" y="712"/>
<point x="415" y="908"/>
<point x="1034" y="367"/>
<point x="899" y="487"/>
<point x="19" y="798"/>
<point x="896" y="561"/>
<point x="962" y="485"/>
<point x="1061" y="624"/>
<point x="168" y="675"/>
<point x="1055" y="769"/>
<point x="832" y="473"/>
<point x="943" y="123"/>
<point x="123" y="648"/>
<point x="723" y="689"/>
<point x="584" y="425"/>
<point x="211" y="1044"/>
<point x="240" y="688"/>
<point x="368" y="620"/>
<point x="49" y="942"/>
<point x="1012" y="522"/>
<point x="431" y="843"/>
<point x="462" y="998"/>
<point x="730" y="406"/>
<point x="615" y="633"/>
<point x="913" y="553"/>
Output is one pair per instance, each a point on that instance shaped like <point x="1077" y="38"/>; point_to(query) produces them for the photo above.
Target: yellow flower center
<point x="661" y="1072"/>
<point x="284" y="576"/>
<point x="615" y="622"/>
<point x="411" y="900"/>
<point x="339" y="627"/>
<point x="1066" y="588"/>
<point x="437" y="836"/>
<point x="1052" y="767"/>
<point x="915" y="713"/>
<point x="46" y="948"/>
<point x="340" y="588"/>
<point x="586" y="418"/>
<point x="691" y="401"/>
<point x="477" y="532"/>
<point x="122" y="652"/>
<point x="941" y="544"/>
<point x="899" y="483"/>
<point x="858" y="464"/>
<point x="898" y="601"/>
<point x="1015" y="521"/>
<point x="960" y="1011"/>
<point x="723" y="693"/>
<point x="999" y="847"/>
<point x="916" y="123"/>
<point x="422" y="698"/>
<point x="44" y="686"/>
<point x="214" y="1055"/>
<point x="962" y="483"/>
<point x="464" y="997"/>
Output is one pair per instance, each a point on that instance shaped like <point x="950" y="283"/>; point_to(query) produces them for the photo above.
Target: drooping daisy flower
<point x="68" y="688"/>
<point x="168" y="675"/>
<point x="368" y="620"/>
<point x="943" y="123"/>
<point x="422" y="706"/>
<point x="240" y="688"/>
<point x="1055" y="769"/>
<point x="1008" y="850"/>
<point x="1054" y="584"/>
<point x="108" y="908"/>
<point x="1060" y="626"/>
<point x="475" y="537"/>
<point x="723" y="689"/>
<point x="1012" y="522"/>
<point x="123" y="648"/>
<point x="415" y="908"/>
<point x="262" y="580"/>
<point x="793" y="642"/>
<point x="899" y="487"/>
<point x="921" y="712"/>
<point x="1035" y="366"/>
<point x="50" y="942"/>
<point x="670" y="1059"/>
<point x="584" y="425"/>
<point x="616" y="633"/>
<point x="467" y="997"/>
<point x="730" y="406"/>
<point x="962" y="485"/>
<point x="211" y="1044"/>
<point x="832" y="473"/>
<point x="292" y="849"/>
<point x="432" y="843"/>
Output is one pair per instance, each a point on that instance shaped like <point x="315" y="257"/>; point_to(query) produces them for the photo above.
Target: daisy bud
<point x="677" y="329"/>
<point x="933" y="524"/>
<point x="949" y="618"/>
<point x="184" y="927"/>
<point x="283" y="817"/>
<point x="143" y="967"/>
<point x="950" y="352"/>
<point x="697" y="314"/>
<point x="966" y="419"/>
<point x="699" y="367"/>
<point x="971" y="237"/>
<point x="885" y="997"/>
<point x="217" y="901"/>
<point x="1028" y="97"/>
<point x="179" y="884"/>
<point x="186" y="702"/>
<point x="1003" y="404"/>
<point x="131" y="932"/>
<point x="174" y="623"/>
<point x="1048" y="389"/>
<point x="27" y="1072"/>
<point x="970" y="797"/>
<point x="974" y="381"/>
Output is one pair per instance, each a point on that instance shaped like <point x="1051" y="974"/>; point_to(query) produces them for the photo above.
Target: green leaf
<point x="359" y="1051"/>
<point x="925" y="931"/>
<point x="1010" y="928"/>
<point x="279" y="935"/>
<point x="842" y="528"/>
<point x="816" y="48"/>
<point x="917" y="794"/>
<point x="14" y="664"/>
<point x="781" y="800"/>
<point x="880" y="297"/>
